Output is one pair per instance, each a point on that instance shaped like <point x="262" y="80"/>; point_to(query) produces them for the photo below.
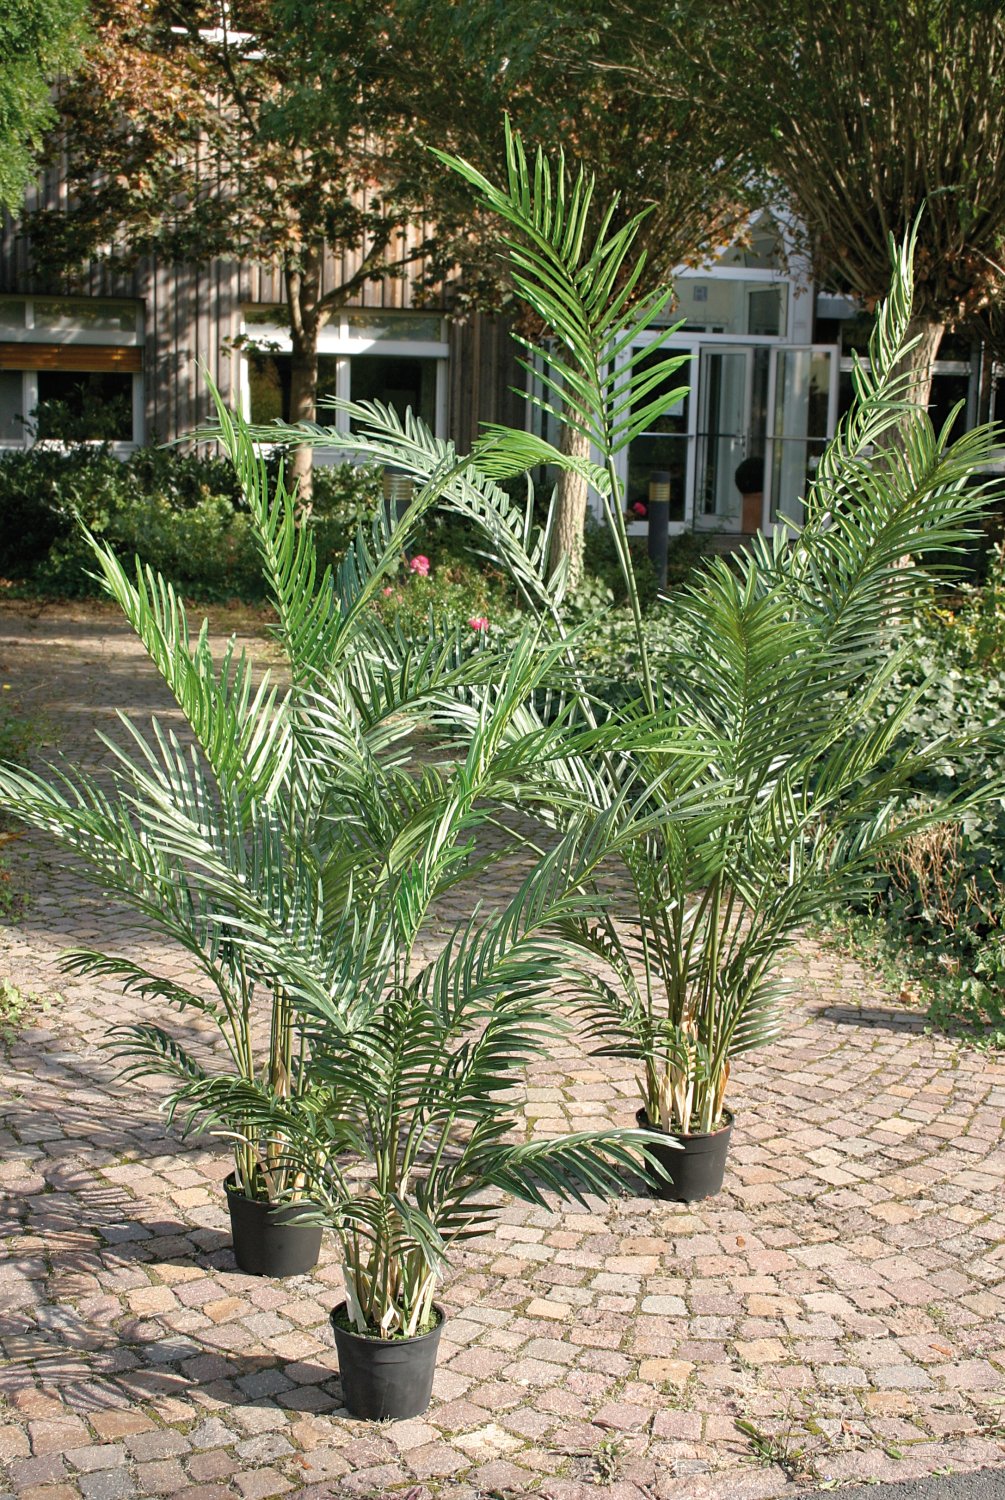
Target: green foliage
<point x="17" y="736"/>
<point x="935" y="914"/>
<point x="771" y="781"/>
<point x="38" y="40"/>
<point x="447" y="597"/>
<point x="778" y="661"/>
<point x="16" y="1007"/>
<point x="90" y="417"/>
<point x="604" y="582"/>
<point x="972" y="634"/>
<point x="296" y="849"/>
<point x="179" y="513"/>
<point x="789" y="79"/>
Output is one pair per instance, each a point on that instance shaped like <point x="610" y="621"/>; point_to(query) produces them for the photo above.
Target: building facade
<point x="122" y="357"/>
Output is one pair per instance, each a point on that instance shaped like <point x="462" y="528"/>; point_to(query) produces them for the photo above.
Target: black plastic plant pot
<point x="386" y="1379"/>
<point x="267" y="1239"/>
<point x="695" y="1168"/>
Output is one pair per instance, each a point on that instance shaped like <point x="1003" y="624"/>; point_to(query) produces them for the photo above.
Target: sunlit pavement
<point x="843" y="1298"/>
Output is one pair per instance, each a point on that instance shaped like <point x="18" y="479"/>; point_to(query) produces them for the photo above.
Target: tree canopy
<point x="38" y="39"/>
<point x="196" y="130"/>
<point x="862" y="118"/>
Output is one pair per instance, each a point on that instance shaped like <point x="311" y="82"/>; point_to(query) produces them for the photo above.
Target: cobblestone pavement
<point x="843" y="1296"/>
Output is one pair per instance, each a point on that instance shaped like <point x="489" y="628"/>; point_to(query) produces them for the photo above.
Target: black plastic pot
<point x="267" y="1239"/>
<point x="695" y="1169"/>
<point x="386" y="1378"/>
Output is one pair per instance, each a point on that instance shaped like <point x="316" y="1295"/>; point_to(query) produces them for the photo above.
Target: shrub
<point x="178" y="512"/>
<point x="17" y="735"/>
<point x="937" y="911"/>
<point x="451" y="590"/>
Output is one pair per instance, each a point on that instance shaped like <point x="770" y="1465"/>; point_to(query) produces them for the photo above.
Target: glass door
<point x="724" y="395"/>
<point x="802" y="412"/>
<point x="667" y="447"/>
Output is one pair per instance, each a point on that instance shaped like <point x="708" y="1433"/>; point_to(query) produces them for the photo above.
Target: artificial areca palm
<point x="262" y="845"/>
<point x="221" y="843"/>
<point x="417" y="1120"/>
<point x="297" y="855"/>
<point x="780" y="661"/>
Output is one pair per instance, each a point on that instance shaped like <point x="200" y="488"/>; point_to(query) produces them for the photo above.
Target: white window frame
<point x="692" y="343"/>
<point x="833" y="351"/>
<point x="338" y="338"/>
<point x="29" y="334"/>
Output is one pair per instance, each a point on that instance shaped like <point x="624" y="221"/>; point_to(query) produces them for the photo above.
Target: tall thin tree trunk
<point x="917" y="362"/>
<point x="568" y="530"/>
<point x="303" y="293"/>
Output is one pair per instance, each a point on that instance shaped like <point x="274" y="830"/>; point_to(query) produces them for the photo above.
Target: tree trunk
<point x="303" y="408"/>
<point x="569" y="525"/>
<point x="918" y="361"/>
<point x="303" y="293"/>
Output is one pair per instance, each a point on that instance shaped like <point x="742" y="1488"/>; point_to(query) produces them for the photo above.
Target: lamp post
<point x="659" y="523"/>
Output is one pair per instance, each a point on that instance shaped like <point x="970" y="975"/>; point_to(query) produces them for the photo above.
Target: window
<point x="953" y="372"/>
<point x="665" y="448"/>
<point x="84" y="406"/>
<point x="12" y="406"/>
<point x="399" y="383"/>
<point x="268" y="384"/>
<point x="367" y="354"/>
<point x="732" y="305"/>
<point x="71" y="370"/>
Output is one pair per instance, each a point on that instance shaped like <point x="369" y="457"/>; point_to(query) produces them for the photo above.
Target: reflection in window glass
<point x="11" y="406"/>
<point x="59" y="314"/>
<point x="78" y="407"/>
<point x="664" y="447"/>
<point x="416" y="327"/>
<point x="269" y="384"/>
<point x="269" y="379"/>
<point x="675" y="417"/>
<point x="764" y="311"/>
<point x="270" y="314"/>
<point x="802" y="400"/>
<point x="658" y="454"/>
<point x="12" y="313"/>
<point x="721" y="305"/>
<point x="397" y="382"/>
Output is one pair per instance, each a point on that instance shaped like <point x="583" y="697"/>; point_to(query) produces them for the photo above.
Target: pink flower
<point x="479" y="622"/>
<point x="387" y="592"/>
<point x="638" y="509"/>
<point x="419" y="565"/>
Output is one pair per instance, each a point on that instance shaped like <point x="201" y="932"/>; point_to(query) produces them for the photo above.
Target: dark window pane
<point x="947" y="390"/>
<point x="269" y="383"/>
<point x="11" y="406"/>
<point x="654" y="454"/>
<point x="396" y="382"/>
<point x="674" y="419"/>
<point x="77" y="407"/>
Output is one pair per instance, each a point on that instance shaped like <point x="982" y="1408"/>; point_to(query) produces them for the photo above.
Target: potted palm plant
<point x="779" y="662"/>
<point x="240" y="843"/>
<point x="420" y="1129"/>
<point x="781" y="659"/>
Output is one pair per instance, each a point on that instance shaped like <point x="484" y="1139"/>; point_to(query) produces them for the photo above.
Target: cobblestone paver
<point x="844" y="1298"/>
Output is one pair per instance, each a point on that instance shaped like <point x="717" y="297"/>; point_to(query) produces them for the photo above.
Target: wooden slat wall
<point x="483" y="372"/>
<point x="83" y="357"/>
<point x="192" y="313"/>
